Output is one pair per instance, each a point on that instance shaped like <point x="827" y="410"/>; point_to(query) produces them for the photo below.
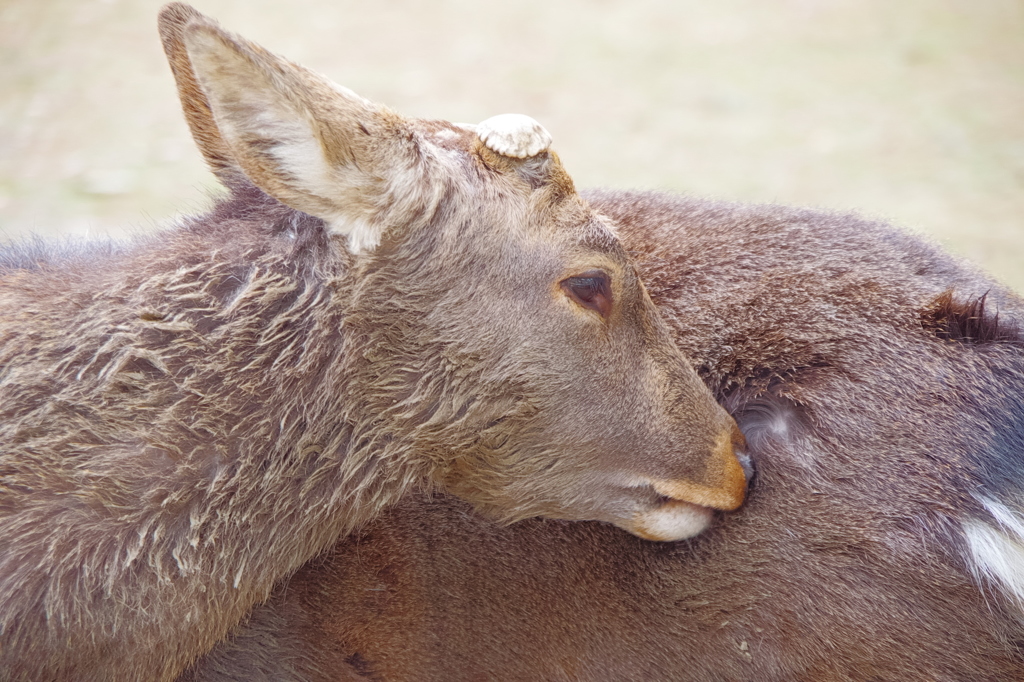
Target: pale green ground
<point x="910" y="110"/>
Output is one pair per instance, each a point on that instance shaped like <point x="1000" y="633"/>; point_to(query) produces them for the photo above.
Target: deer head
<point x="501" y="331"/>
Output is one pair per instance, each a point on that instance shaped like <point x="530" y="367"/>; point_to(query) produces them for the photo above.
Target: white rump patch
<point x="514" y="135"/>
<point x="997" y="551"/>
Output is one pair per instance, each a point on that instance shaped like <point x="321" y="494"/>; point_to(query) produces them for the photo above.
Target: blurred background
<point x="911" y="111"/>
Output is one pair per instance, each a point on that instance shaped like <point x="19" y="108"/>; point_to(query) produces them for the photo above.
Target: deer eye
<point x="591" y="290"/>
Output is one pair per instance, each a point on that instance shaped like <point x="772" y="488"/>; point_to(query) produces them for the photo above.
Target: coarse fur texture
<point x="883" y="537"/>
<point x="380" y="303"/>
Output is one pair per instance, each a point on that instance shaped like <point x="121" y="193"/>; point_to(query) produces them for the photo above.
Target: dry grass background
<point x="910" y="110"/>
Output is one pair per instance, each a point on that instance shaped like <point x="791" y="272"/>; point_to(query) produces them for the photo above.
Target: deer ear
<point x="309" y="143"/>
<point x="172" y="22"/>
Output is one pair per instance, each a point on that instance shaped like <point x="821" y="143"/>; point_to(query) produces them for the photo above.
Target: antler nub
<point x="514" y="135"/>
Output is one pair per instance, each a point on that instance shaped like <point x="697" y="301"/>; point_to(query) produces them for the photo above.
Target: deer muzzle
<point x="687" y="507"/>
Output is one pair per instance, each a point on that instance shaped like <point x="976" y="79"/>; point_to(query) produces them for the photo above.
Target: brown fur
<point x="195" y="105"/>
<point x="874" y="440"/>
<point x="187" y="419"/>
<point x="967" y="320"/>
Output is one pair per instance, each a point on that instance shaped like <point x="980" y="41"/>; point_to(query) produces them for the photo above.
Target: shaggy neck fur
<point x="230" y="366"/>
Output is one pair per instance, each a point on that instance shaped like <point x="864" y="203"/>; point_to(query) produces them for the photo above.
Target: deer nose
<point x="724" y="483"/>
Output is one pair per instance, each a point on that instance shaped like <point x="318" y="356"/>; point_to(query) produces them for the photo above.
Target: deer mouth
<point x="669" y="519"/>
<point x="682" y="509"/>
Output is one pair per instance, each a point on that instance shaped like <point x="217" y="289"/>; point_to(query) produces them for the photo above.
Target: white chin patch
<point x="514" y="135"/>
<point x="672" y="521"/>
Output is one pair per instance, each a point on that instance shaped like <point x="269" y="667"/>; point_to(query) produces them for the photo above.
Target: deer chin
<point x="671" y="520"/>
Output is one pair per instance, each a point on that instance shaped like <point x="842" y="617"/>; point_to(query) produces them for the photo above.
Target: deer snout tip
<point x="734" y="465"/>
<point x="688" y="506"/>
<point x="724" y="484"/>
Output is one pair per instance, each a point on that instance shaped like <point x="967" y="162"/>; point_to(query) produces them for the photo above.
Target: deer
<point x="378" y="305"/>
<point x="879" y="383"/>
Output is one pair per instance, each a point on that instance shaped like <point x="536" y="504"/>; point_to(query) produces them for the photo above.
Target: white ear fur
<point x="514" y="135"/>
<point x="248" y="106"/>
<point x="299" y="137"/>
